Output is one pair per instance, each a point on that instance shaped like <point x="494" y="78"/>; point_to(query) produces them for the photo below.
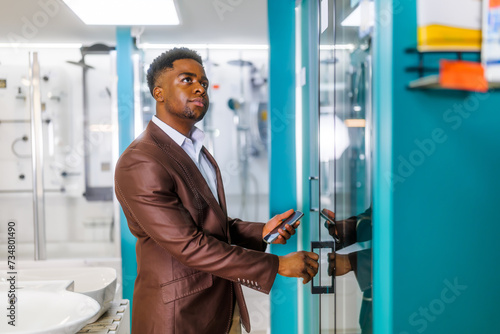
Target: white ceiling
<point x="243" y="22"/>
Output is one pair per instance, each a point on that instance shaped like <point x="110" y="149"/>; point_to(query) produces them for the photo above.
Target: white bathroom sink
<point x="43" y="308"/>
<point x="98" y="283"/>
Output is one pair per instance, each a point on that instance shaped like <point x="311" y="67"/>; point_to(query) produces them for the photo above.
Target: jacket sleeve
<point x="247" y="234"/>
<point x="362" y="261"/>
<point x="149" y="195"/>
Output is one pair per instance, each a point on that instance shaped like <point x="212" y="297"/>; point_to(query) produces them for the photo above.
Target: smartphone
<point x="291" y="220"/>
<point x="328" y="219"/>
<point x="328" y="222"/>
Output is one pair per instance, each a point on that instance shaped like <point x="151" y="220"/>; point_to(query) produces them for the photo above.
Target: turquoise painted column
<point x="282" y="171"/>
<point x="124" y="47"/>
<point x="382" y="167"/>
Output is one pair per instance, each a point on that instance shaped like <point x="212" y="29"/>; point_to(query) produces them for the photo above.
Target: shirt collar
<point x="197" y="135"/>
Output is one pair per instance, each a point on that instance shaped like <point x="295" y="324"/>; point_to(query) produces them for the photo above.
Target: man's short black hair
<point x="166" y="60"/>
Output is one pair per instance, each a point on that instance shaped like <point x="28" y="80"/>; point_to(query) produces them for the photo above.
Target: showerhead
<point x="234" y="104"/>
<point x="80" y="63"/>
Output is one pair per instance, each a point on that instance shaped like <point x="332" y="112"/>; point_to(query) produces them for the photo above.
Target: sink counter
<point x="115" y="321"/>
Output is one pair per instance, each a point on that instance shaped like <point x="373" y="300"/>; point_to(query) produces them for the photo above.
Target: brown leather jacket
<point x="191" y="258"/>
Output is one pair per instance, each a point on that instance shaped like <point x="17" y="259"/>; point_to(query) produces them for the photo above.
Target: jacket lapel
<point x="220" y="185"/>
<point x="220" y="190"/>
<point x="186" y="166"/>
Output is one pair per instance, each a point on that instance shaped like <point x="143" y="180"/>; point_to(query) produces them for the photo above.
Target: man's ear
<point x="158" y="94"/>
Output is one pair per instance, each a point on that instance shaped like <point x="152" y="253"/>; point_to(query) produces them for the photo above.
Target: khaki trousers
<point x="235" y="325"/>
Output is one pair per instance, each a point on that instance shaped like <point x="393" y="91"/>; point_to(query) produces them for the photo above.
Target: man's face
<point x="183" y="90"/>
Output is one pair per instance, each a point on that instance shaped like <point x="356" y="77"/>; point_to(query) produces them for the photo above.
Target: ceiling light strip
<point x="337" y="47"/>
<point x="167" y="46"/>
<point x="41" y="45"/>
<point x="205" y="46"/>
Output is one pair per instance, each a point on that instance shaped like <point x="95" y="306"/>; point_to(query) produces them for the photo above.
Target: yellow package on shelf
<point x="449" y="25"/>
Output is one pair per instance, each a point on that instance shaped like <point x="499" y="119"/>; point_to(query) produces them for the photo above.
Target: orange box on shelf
<point x="463" y="75"/>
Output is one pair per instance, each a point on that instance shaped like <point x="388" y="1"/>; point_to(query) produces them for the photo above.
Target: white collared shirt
<point x="192" y="146"/>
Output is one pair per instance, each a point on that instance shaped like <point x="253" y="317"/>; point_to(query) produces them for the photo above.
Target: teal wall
<point x="282" y="171"/>
<point x="124" y="69"/>
<point x="445" y="183"/>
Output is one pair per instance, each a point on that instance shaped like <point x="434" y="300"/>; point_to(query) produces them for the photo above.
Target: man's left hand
<point x="285" y="233"/>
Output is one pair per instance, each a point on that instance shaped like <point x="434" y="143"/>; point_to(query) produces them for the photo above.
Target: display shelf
<point x="437" y="49"/>
<point x="432" y="82"/>
<point x="421" y="68"/>
<point x="428" y="77"/>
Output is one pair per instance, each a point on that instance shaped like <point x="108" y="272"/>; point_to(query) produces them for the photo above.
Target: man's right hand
<point x="299" y="264"/>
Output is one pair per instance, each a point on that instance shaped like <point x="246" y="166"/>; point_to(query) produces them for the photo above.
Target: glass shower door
<point x="345" y="165"/>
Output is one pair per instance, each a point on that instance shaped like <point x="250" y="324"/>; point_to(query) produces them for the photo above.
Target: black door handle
<point x="322" y="289"/>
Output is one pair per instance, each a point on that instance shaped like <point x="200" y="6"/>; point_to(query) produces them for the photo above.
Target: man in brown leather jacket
<point x="191" y="258"/>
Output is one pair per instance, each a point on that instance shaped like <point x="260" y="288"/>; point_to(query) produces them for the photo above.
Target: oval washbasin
<point x="98" y="283"/>
<point x="44" y="312"/>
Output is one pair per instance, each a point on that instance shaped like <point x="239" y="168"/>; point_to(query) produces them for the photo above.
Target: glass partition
<point x="345" y="163"/>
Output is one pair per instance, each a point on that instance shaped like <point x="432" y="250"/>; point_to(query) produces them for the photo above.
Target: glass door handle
<point x="311" y="178"/>
<point x="323" y="283"/>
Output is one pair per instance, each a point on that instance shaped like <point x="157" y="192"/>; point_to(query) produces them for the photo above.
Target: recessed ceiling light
<point x="125" y="12"/>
